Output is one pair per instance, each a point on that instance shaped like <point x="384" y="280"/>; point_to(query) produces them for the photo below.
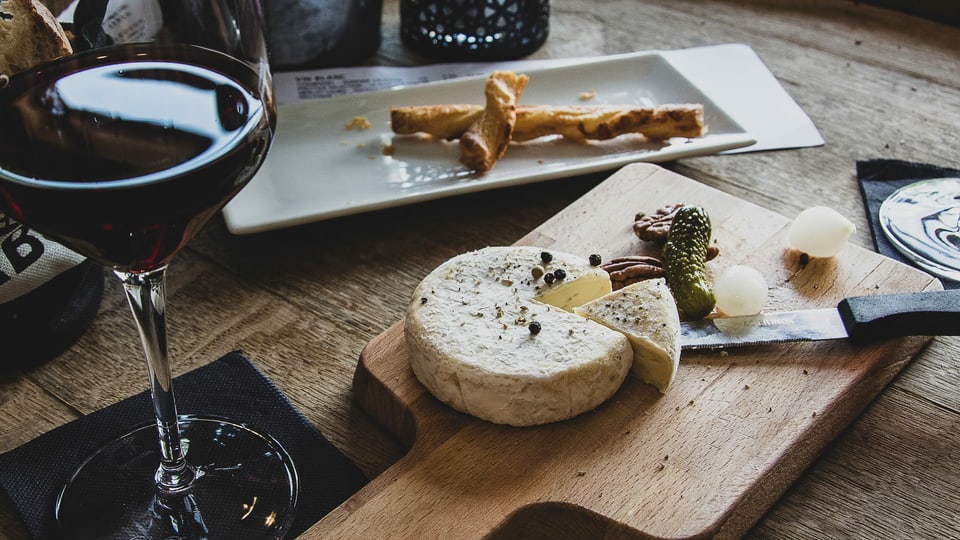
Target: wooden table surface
<point x="302" y="302"/>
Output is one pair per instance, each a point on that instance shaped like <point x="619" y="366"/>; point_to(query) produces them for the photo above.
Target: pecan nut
<point x="656" y="226"/>
<point x="632" y="269"/>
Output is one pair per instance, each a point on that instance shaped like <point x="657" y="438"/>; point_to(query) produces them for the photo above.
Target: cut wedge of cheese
<point x="487" y="337"/>
<point x="647" y="314"/>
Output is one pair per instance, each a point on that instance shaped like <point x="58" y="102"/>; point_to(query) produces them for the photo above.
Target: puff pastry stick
<point x="486" y="138"/>
<point x="574" y="122"/>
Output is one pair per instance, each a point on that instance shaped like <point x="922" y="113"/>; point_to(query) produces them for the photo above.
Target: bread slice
<point x="29" y="35"/>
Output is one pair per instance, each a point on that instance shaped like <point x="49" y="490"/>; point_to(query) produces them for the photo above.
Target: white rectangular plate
<point x="318" y="169"/>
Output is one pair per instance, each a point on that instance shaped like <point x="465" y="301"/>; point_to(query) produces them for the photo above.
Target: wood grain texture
<point x="303" y="302"/>
<point x="705" y="460"/>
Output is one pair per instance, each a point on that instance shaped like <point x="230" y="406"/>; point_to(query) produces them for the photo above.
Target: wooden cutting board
<point x="705" y="460"/>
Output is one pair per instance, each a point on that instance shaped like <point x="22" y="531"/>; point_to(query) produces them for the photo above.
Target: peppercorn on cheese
<point x="646" y="313"/>
<point x="490" y="333"/>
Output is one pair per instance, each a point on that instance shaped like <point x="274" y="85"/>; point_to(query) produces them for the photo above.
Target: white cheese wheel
<point x="469" y="340"/>
<point x="647" y="314"/>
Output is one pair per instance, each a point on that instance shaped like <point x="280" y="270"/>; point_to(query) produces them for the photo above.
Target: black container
<point x="308" y="34"/>
<point x="474" y="30"/>
<point x="46" y="321"/>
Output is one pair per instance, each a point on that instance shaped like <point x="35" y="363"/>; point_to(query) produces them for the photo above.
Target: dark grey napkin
<point x="878" y="179"/>
<point x="33" y="474"/>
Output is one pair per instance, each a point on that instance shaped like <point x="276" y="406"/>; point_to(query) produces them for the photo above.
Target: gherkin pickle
<point x="685" y="256"/>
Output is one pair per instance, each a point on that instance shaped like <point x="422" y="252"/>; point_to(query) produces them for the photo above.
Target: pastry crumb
<point x="588" y="95"/>
<point x="358" y="122"/>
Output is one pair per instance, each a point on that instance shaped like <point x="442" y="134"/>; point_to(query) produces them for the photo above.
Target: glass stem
<point x="147" y="298"/>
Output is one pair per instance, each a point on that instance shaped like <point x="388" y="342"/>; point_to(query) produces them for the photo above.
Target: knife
<point x="859" y="319"/>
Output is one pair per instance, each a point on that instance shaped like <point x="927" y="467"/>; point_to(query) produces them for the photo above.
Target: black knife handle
<point x="932" y="313"/>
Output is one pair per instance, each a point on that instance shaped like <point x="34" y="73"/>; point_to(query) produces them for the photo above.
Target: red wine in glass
<point x="124" y="158"/>
<point x="122" y="154"/>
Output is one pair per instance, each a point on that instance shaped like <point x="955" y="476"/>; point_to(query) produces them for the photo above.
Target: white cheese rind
<point x="469" y="342"/>
<point x="647" y="314"/>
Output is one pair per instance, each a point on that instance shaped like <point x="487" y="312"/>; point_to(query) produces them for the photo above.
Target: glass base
<point x="245" y="487"/>
<point x="922" y="220"/>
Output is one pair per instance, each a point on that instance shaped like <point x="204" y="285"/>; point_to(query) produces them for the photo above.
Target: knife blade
<point x="860" y="319"/>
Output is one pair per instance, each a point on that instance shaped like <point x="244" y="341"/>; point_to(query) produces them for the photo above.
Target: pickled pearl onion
<point x="820" y="231"/>
<point x="740" y="290"/>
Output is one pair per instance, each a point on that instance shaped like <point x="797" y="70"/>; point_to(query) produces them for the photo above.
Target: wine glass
<point x="922" y="220"/>
<point x="122" y="152"/>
